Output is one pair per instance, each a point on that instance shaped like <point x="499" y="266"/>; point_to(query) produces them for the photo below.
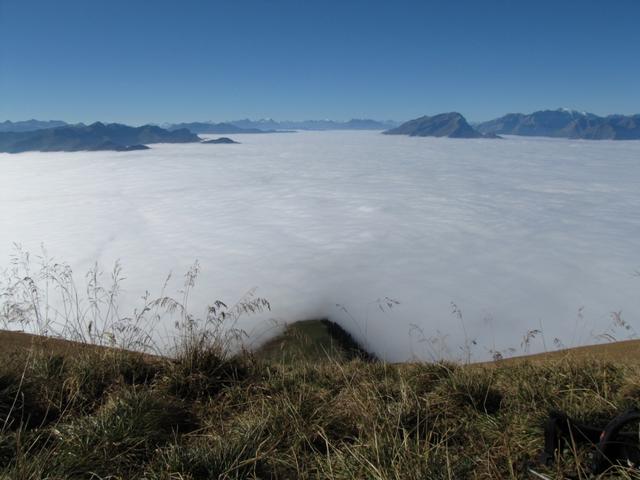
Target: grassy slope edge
<point x="68" y="411"/>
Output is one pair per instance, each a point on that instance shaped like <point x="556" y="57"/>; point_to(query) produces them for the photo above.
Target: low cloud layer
<point x="519" y="234"/>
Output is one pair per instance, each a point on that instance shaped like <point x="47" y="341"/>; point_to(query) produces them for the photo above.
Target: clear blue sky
<point x="159" y="61"/>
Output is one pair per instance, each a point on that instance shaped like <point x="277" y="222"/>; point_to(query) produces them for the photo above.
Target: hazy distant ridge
<point x="29" y="125"/>
<point x="271" y="126"/>
<point x="211" y="127"/>
<point x="353" y="124"/>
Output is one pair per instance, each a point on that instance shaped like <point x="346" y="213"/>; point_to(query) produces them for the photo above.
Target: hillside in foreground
<point x="300" y="407"/>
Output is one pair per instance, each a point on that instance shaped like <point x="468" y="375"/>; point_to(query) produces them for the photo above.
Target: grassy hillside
<point x="320" y="340"/>
<point x="70" y="411"/>
<point x="314" y="340"/>
<point x="13" y="342"/>
<point x="627" y="351"/>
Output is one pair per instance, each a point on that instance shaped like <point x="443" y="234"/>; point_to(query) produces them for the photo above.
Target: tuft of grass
<point x="202" y="373"/>
<point x="125" y="430"/>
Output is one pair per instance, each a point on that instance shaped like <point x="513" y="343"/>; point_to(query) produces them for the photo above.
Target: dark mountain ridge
<point x="451" y="125"/>
<point x="221" y="141"/>
<point x="97" y="136"/>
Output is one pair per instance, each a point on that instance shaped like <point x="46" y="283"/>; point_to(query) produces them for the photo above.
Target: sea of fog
<point x="519" y="234"/>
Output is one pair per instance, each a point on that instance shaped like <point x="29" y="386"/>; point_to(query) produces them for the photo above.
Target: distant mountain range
<point x="562" y="123"/>
<point x="353" y="124"/>
<point x="29" y="125"/>
<point x="97" y="136"/>
<point x="211" y="127"/>
<point x="56" y="135"/>
<point x="565" y="123"/>
<point x="452" y="125"/>
<point x="273" y="126"/>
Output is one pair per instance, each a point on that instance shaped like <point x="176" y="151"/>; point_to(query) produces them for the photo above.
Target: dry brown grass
<point x="302" y="342"/>
<point x="75" y="411"/>
<point x="626" y="351"/>
<point x="79" y="410"/>
<point x="12" y="341"/>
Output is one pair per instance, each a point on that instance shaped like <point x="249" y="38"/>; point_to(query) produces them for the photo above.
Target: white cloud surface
<point x="519" y="233"/>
